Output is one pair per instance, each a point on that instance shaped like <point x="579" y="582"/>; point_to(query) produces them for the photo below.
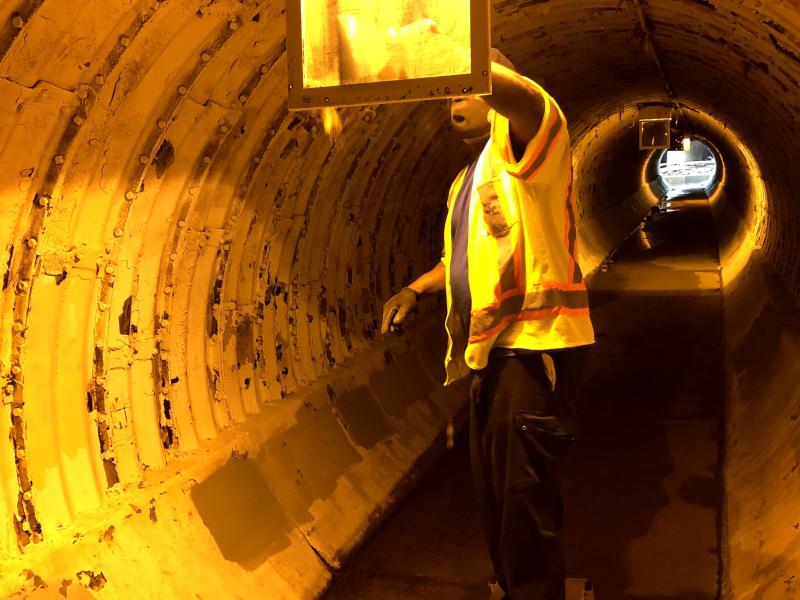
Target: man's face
<point x="469" y="117"/>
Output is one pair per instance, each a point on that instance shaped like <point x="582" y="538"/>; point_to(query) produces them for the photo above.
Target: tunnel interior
<point x="196" y="395"/>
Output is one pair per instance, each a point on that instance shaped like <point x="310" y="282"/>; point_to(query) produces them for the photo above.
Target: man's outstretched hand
<point x="396" y="309"/>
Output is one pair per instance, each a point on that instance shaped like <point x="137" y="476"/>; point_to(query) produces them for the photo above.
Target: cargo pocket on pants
<point x="542" y="443"/>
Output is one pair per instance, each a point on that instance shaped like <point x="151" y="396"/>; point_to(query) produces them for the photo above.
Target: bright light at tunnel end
<point x="692" y="169"/>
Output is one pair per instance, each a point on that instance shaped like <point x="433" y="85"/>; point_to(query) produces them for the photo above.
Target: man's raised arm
<point x="514" y="97"/>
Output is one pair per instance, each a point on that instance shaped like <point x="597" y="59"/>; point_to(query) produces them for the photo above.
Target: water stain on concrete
<point x="244" y="341"/>
<point x="247" y="521"/>
<point x="305" y="462"/>
<point x="401" y="386"/>
<point x="362" y="416"/>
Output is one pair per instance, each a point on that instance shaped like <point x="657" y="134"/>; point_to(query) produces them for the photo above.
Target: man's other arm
<point x="398" y="306"/>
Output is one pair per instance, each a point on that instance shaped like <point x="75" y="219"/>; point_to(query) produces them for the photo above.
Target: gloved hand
<point x="397" y="307"/>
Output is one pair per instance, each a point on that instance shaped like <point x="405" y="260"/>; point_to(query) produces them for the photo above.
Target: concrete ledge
<point x="762" y="466"/>
<point x="271" y="507"/>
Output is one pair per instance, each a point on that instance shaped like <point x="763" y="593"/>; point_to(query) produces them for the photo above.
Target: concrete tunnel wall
<point x="193" y="279"/>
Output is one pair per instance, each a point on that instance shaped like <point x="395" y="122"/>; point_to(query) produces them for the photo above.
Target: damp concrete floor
<point x="642" y="491"/>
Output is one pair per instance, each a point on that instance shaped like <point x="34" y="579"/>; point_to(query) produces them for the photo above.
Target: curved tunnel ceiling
<point x="179" y="250"/>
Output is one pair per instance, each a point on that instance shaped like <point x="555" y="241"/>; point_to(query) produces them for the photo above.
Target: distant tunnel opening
<point x="692" y="169"/>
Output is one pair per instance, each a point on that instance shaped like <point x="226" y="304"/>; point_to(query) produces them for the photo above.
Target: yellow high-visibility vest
<point x="527" y="288"/>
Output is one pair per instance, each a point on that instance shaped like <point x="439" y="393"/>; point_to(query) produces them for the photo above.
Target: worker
<point x="517" y="311"/>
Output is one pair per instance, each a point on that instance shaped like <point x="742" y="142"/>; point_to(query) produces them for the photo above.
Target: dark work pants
<point x="520" y="432"/>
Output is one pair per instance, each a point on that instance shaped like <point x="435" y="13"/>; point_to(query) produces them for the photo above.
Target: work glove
<point x="396" y="309"/>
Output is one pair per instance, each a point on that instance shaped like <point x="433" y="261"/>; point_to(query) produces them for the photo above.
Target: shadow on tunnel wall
<point x="760" y="533"/>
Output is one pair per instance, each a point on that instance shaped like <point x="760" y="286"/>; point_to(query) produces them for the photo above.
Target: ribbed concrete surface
<point x="179" y="254"/>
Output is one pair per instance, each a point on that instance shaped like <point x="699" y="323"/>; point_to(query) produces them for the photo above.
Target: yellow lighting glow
<point x="332" y="123"/>
<point x="687" y="144"/>
<point x="352" y="26"/>
<point x="359" y="41"/>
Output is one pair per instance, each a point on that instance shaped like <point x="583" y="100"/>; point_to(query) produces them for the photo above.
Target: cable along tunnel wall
<point x="187" y="266"/>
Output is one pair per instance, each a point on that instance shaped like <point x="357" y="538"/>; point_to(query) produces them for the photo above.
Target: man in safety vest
<point x="516" y="302"/>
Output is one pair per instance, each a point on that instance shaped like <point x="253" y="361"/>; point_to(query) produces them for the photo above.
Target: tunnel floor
<point x="642" y="488"/>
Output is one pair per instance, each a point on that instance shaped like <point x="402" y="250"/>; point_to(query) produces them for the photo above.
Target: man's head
<point x="469" y="116"/>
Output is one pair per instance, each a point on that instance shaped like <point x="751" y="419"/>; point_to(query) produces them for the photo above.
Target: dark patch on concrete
<point x="701" y="491"/>
<point x="212" y="379"/>
<point x="167" y="436"/>
<point x="323" y="301"/>
<point x="7" y="274"/>
<point x="329" y="353"/>
<point x="343" y="326"/>
<point x="783" y="49"/>
<point x="244" y="341"/>
<point x="99" y="359"/>
<point x="759" y="341"/>
<point x="294" y="123"/>
<point x="164" y="158"/>
<point x="90" y="580"/>
<point x="432" y="348"/>
<point x="125" y="316"/>
<point x="281" y="113"/>
<point x="229" y="330"/>
<point x="517" y="5"/>
<point x="247" y="521"/>
<point x="304" y="462"/>
<point x="38" y="582"/>
<point x="776" y="26"/>
<point x="110" y="469"/>
<point x="108" y="535"/>
<point x="216" y="294"/>
<point x="363" y="418"/>
<point x="401" y="385"/>
<point x="287" y="150"/>
<point x="704" y="3"/>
